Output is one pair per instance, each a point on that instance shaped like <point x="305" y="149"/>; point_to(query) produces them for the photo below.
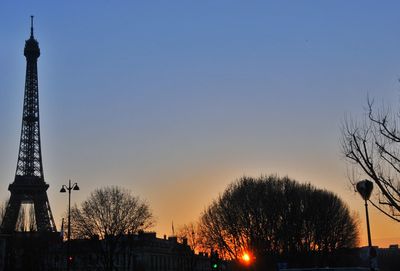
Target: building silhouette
<point x="139" y="252"/>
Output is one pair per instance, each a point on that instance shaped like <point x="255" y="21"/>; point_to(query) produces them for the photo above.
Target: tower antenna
<point x="32" y="25"/>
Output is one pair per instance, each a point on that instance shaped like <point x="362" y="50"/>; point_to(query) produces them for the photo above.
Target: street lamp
<point x="365" y="187"/>
<point x="64" y="189"/>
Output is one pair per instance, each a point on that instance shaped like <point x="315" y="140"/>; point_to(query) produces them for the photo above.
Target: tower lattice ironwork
<point x="29" y="185"/>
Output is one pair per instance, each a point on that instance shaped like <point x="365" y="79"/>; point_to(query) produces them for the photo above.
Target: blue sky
<point x="176" y="99"/>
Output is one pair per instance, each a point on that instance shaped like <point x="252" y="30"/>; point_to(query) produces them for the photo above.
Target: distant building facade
<point x="142" y="252"/>
<point x="135" y="252"/>
<point x="387" y="258"/>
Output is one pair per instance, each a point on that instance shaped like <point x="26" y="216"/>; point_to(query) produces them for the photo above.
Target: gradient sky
<point x="176" y="99"/>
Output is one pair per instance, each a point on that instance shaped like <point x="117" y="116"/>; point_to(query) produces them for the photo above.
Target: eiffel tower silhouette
<point x="29" y="185"/>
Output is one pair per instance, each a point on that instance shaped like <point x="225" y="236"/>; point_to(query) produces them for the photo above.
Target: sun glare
<point x="246" y="258"/>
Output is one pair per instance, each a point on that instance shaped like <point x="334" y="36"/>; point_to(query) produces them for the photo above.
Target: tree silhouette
<point x="107" y="215"/>
<point x="3" y="207"/>
<point x="373" y="149"/>
<point x="272" y="216"/>
<point x="191" y="233"/>
<point x="26" y="217"/>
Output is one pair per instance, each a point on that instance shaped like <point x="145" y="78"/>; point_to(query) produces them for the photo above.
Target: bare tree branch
<point x="374" y="149"/>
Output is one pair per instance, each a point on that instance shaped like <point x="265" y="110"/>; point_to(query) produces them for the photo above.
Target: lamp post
<point x="364" y="188"/>
<point x="64" y="189"/>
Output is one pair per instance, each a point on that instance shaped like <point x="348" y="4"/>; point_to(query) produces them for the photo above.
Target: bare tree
<point x="26" y="218"/>
<point x="3" y="207"/>
<point x="276" y="216"/>
<point x="191" y="233"/>
<point x="372" y="147"/>
<point x="32" y="226"/>
<point x="25" y="221"/>
<point x="107" y="215"/>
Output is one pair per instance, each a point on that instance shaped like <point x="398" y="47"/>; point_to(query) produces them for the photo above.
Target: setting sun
<point x="246" y="258"/>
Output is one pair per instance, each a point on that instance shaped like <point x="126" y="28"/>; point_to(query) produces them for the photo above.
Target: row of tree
<point x="267" y="216"/>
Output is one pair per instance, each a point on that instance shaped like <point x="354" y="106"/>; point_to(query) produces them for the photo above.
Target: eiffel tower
<point x="29" y="185"/>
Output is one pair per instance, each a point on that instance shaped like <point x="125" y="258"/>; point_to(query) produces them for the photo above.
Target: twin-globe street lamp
<point x="64" y="189"/>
